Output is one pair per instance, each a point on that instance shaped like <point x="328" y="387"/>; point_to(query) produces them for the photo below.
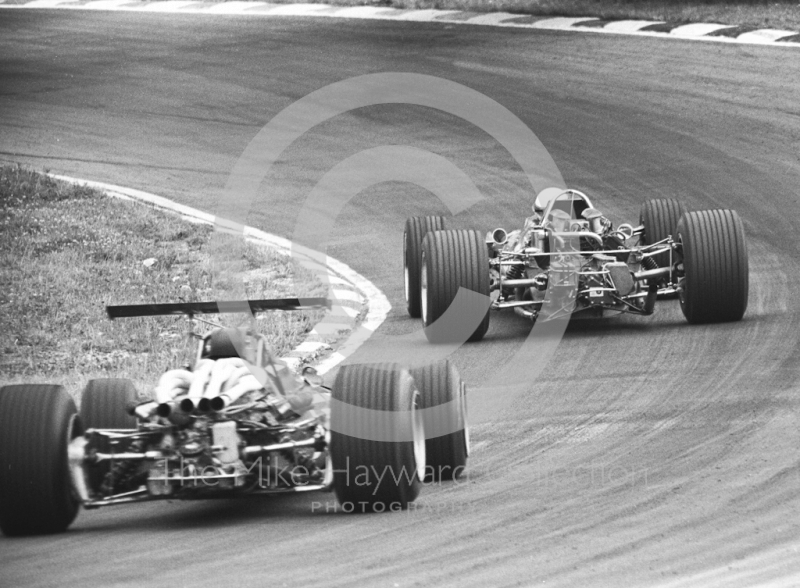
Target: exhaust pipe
<point x="174" y="412"/>
<point x="143" y="410"/>
<point x="186" y="405"/>
<point x="499" y="236"/>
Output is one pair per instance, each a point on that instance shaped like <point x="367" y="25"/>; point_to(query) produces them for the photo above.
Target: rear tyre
<point x="660" y="219"/>
<point x="104" y="405"/>
<point x="445" y="418"/>
<point x="716" y="272"/>
<point x="37" y="421"/>
<point x="452" y="260"/>
<point x="105" y="402"/>
<point x="378" y="458"/>
<point x="416" y="229"/>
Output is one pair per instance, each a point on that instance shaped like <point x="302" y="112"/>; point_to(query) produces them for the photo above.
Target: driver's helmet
<point x="227" y="342"/>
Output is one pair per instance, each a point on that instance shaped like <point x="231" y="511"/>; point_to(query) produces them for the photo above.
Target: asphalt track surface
<point x="650" y="452"/>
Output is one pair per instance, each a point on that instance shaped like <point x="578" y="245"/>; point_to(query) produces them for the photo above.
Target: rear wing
<point x="216" y="307"/>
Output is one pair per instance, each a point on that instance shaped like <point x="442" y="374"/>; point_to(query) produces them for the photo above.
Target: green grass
<point x="67" y="251"/>
<point x="780" y="14"/>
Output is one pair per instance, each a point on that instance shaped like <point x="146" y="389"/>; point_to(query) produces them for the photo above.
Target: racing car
<point x="234" y="422"/>
<point x="569" y="260"/>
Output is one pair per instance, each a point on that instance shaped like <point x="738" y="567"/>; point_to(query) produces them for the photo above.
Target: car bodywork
<point x="568" y="260"/>
<point x="234" y="422"/>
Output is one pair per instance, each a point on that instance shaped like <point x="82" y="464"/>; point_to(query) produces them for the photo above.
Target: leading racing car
<point x="235" y="422"/>
<point x="568" y="260"/>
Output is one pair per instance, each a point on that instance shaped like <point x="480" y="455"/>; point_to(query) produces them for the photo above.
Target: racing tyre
<point x="451" y="260"/>
<point x="378" y="459"/>
<point x="36" y="424"/>
<point x="104" y="405"/>
<point x="445" y="418"/>
<point x="416" y="229"/>
<point x="105" y="402"/>
<point x="716" y="273"/>
<point x="660" y="219"/>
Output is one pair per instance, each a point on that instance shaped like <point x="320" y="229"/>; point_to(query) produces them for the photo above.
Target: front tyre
<point x="378" y="454"/>
<point x="37" y="422"/>
<point x="416" y="229"/>
<point x="716" y="272"/>
<point x="452" y="260"/>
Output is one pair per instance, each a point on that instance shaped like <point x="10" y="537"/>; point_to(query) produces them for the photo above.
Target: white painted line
<point x="309" y="347"/>
<point x="159" y="201"/>
<point x="330" y="362"/>
<point x="373" y="12"/>
<point x="105" y="4"/>
<point x="425" y="15"/>
<point x="296" y="10"/>
<point x="339" y="311"/>
<point x="377" y="309"/>
<point x="45" y="3"/>
<point x="324" y="328"/>
<point x="699" y="29"/>
<point x="347" y="295"/>
<point x="559" y="23"/>
<point x="166" y="6"/>
<point x="234" y="7"/>
<point x="292" y="362"/>
<point x="764" y="35"/>
<point x="629" y="26"/>
<point x="334" y="280"/>
<point x="492" y="18"/>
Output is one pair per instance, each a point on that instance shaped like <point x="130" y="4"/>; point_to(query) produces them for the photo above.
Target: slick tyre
<point x="416" y="229"/>
<point x="104" y="405"/>
<point x="452" y="260"/>
<point x="660" y="220"/>
<point x="716" y="272"/>
<point x="36" y="424"/>
<point x="445" y="417"/>
<point x="378" y="456"/>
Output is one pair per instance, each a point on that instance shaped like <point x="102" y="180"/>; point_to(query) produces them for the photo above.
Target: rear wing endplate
<point x="216" y="307"/>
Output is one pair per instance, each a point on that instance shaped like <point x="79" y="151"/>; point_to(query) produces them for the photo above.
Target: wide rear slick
<point x="378" y="454"/>
<point x="37" y="421"/>
<point x="416" y="229"/>
<point x="660" y="217"/>
<point x="104" y="405"/>
<point x="452" y="260"/>
<point x="379" y="417"/>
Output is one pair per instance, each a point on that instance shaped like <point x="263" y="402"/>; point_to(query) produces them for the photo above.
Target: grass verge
<point x="66" y="251"/>
<point x="774" y="14"/>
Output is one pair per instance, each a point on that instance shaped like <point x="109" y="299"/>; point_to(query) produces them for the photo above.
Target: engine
<point x="562" y="266"/>
<point x="215" y="429"/>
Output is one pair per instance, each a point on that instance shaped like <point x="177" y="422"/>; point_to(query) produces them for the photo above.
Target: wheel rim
<point x="423" y="288"/>
<point x="419" y="437"/>
<point x="74" y="430"/>
<point x="405" y="268"/>
<point x="682" y="290"/>
<point x="463" y="408"/>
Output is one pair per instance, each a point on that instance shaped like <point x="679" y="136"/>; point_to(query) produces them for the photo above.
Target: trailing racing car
<point x="235" y="422"/>
<point x="568" y="260"/>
